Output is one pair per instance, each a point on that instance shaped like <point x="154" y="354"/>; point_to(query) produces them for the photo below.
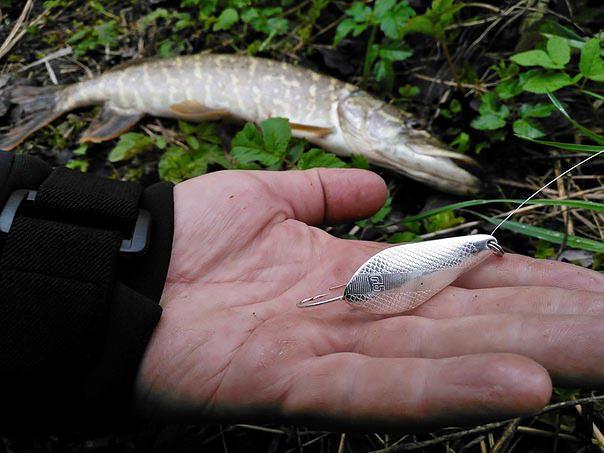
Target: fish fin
<point x="312" y="130"/>
<point x="40" y="106"/>
<point x="194" y="111"/>
<point x="108" y="125"/>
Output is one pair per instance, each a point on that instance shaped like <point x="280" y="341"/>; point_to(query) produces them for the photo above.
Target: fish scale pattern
<point x="417" y="260"/>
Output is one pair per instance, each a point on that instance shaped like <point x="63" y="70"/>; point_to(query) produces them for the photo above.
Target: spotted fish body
<point x="328" y="112"/>
<point x="403" y="277"/>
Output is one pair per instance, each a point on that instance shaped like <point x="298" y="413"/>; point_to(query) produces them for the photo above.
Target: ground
<point x="476" y="75"/>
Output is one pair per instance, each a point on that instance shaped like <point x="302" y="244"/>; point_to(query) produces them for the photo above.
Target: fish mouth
<point x="433" y="166"/>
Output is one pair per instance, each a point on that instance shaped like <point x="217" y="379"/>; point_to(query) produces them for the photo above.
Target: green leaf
<point x="226" y="20"/>
<point x="488" y="122"/>
<point x="461" y="143"/>
<point x="490" y="105"/>
<point x="130" y="145"/>
<point x="346" y="27"/>
<point x="591" y="64"/>
<point x="382" y="7"/>
<point x="402" y="237"/>
<point x="359" y="161"/>
<point x="441" y="221"/>
<point x="540" y="110"/>
<point x="267" y="145"/>
<point x="392" y="17"/>
<point x="558" y="50"/>
<point x="420" y="24"/>
<point x="508" y="89"/>
<point x="248" y="146"/>
<point x="177" y="164"/>
<point x="277" y="133"/>
<point x="526" y="128"/>
<point x="78" y="164"/>
<point x="535" y="58"/>
<point x="316" y="157"/>
<point x="408" y="91"/>
<point x="543" y="81"/>
<point x="360" y="12"/>
<point x="493" y="115"/>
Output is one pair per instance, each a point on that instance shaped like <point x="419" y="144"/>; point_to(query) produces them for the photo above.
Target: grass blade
<point x="581" y="204"/>
<point x="555" y="237"/>
<point x="566" y="146"/>
<point x="592" y="135"/>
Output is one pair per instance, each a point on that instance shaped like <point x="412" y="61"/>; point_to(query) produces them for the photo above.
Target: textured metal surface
<point x="401" y="278"/>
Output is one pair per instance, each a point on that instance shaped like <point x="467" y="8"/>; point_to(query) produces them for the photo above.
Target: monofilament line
<point x="561" y="175"/>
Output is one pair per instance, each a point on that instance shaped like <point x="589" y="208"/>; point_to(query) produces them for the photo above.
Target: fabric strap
<point x="70" y="333"/>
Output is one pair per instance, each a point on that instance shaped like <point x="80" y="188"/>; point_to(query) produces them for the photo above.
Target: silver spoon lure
<point x="403" y="277"/>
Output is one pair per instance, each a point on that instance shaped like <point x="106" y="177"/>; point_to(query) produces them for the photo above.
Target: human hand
<point x="232" y="344"/>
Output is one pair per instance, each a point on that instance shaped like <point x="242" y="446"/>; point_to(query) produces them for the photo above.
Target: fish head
<point x="391" y="138"/>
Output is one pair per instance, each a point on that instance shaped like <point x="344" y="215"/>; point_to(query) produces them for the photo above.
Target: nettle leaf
<point x="558" y="50"/>
<point x="226" y="20"/>
<point x="461" y="143"/>
<point x="540" y="82"/>
<point x="248" y="146"/>
<point x="277" y="133"/>
<point x="359" y="12"/>
<point x="359" y="161"/>
<point x="316" y="157"/>
<point x="490" y="105"/>
<point x="420" y="24"/>
<point x="130" y="145"/>
<point x="267" y="145"/>
<point x="493" y="115"/>
<point x="392" y="17"/>
<point x="346" y="27"/>
<point x="382" y="7"/>
<point x="395" y="54"/>
<point x="508" y="89"/>
<point x="535" y="58"/>
<point x="178" y="164"/>
<point x="488" y="122"/>
<point x="591" y="64"/>
<point x="527" y="128"/>
<point x="540" y="110"/>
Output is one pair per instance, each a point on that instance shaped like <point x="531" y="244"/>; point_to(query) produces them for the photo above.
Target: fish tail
<point x="39" y="106"/>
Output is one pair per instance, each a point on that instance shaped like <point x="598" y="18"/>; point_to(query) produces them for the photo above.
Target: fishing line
<point x="561" y="175"/>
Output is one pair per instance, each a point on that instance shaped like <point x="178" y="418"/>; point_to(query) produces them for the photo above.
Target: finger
<point x="327" y="195"/>
<point x="518" y="270"/>
<point x="458" y="302"/>
<point x="571" y="348"/>
<point x="415" y="393"/>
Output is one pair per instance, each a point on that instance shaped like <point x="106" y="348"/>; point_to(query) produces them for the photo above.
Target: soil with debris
<point x="62" y="41"/>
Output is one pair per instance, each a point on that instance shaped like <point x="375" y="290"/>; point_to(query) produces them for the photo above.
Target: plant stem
<point x="367" y="62"/>
<point x="443" y="44"/>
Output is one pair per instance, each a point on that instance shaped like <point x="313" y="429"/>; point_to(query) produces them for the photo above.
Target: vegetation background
<point x="518" y="85"/>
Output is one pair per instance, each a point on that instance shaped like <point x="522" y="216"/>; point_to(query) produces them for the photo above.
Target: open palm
<point x="232" y="344"/>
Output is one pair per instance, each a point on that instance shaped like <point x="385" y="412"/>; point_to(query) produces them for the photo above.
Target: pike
<point x="330" y="113"/>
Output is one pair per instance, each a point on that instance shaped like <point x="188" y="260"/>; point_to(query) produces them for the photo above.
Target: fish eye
<point x="413" y="123"/>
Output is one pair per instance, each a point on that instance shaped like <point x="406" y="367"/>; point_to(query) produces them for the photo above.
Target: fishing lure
<point x="403" y="277"/>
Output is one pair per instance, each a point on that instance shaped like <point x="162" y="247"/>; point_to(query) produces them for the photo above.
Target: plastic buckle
<point x="135" y="245"/>
<point x="11" y="207"/>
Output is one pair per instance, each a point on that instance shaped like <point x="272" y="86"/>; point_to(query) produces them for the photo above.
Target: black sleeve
<point x="75" y="313"/>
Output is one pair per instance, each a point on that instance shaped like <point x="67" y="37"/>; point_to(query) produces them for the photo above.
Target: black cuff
<point x="92" y="379"/>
